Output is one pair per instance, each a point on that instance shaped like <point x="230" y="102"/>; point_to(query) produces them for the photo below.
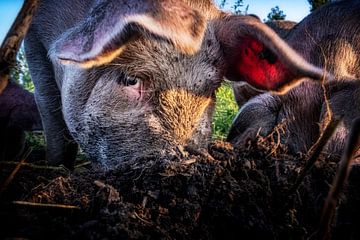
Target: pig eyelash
<point x="129" y="81"/>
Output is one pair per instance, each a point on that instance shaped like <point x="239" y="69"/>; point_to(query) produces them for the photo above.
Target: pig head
<point x="329" y="38"/>
<point x="128" y="79"/>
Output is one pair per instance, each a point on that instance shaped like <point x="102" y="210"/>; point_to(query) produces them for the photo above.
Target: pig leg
<point x="259" y="115"/>
<point x="61" y="148"/>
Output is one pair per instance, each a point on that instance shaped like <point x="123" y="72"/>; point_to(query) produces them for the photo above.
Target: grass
<point x="225" y="111"/>
<point x="36" y="140"/>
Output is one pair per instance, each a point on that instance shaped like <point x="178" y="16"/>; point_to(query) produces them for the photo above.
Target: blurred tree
<point x="317" y="3"/>
<point x="222" y="4"/>
<point x="276" y="14"/>
<point x="236" y="8"/>
<point x="20" y="73"/>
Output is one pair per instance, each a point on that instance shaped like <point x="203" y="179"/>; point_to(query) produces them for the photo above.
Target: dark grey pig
<point x="128" y="79"/>
<point x="329" y="38"/>
<point x="18" y="113"/>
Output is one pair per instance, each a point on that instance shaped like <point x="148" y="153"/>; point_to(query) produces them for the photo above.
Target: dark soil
<point x="219" y="193"/>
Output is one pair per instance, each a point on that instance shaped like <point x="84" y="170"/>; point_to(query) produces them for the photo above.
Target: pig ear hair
<point x="257" y="55"/>
<point x="111" y="24"/>
<point x="254" y="16"/>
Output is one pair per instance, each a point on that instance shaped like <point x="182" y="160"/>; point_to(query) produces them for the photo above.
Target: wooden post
<point x="13" y="39"/>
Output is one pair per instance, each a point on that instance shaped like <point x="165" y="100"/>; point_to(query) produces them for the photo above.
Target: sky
<point x="8" y="12"/>
<point x="295" y="10"/>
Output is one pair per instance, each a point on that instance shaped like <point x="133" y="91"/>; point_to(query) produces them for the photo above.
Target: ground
<point x="215" y="193"/>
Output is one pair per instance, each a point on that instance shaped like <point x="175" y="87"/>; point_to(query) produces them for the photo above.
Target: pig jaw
<point x="113" y="138"/>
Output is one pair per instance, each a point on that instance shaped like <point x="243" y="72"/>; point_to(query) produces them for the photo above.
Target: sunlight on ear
<point x="8" y="12"/>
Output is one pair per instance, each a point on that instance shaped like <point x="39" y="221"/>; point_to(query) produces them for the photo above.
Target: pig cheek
<point x="133" y="94"/>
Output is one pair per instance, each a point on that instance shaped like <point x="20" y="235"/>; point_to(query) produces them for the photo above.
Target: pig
<point x="18" y="113"/>
<point x="329" y="38"/>
<point x="132" y="79"/>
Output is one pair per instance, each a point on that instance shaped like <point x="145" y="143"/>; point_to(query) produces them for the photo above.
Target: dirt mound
<point x="219" y="193"/>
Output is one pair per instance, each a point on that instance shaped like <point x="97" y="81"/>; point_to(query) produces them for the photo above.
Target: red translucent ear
<point x="258" y="66"/>
<point x="256" y="54"/>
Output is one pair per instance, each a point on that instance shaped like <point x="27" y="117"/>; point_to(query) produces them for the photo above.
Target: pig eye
<point x="129" y="81"/>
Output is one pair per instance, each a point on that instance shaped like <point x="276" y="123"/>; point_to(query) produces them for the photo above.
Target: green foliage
<point x="225" y="111"/>
<point x="317" y="3"/>
<point x="20" y="73"/>
<point x="276" y="14"/>
<point x="36" y="140"/>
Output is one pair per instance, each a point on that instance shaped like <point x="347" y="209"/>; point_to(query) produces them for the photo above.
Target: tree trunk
<point x="13" y="39"/>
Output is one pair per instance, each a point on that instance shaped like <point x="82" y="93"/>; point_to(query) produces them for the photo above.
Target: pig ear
<point x="256" y="54"/>
<point x="112" y="23"/>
